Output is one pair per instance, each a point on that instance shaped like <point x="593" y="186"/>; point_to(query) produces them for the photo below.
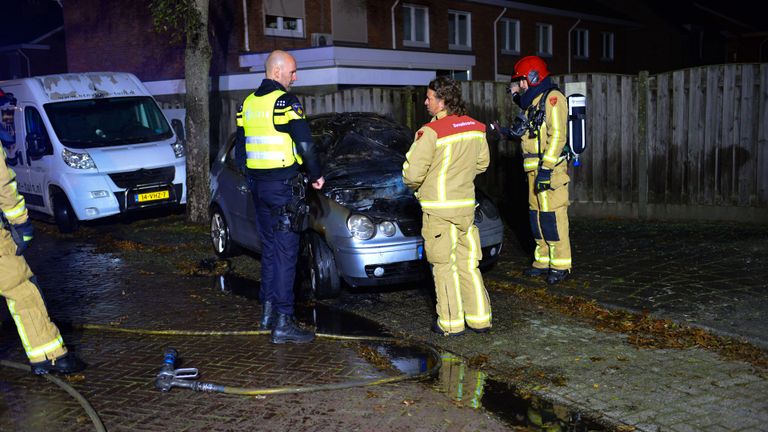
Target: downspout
<point x="245" y="24"/>
<point x="394" y="41"/>
<point x="495" y="45"/>
<point x="569" y="43"/>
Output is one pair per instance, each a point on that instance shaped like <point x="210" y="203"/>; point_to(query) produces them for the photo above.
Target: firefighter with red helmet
<point x="543" y="134"/>
<point x="40" y="337"/>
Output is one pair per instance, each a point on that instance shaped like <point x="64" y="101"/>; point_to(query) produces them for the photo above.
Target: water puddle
<point x="472" y="388"/>
<point x="463" y="385"/>
<point x="324" y="318"/>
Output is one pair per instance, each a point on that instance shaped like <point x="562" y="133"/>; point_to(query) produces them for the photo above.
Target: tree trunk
<point x="197" y="65"/>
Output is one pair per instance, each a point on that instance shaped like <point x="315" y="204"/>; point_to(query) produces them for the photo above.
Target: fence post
<point x="409" y="108"/>
<point x="642" y="145"/>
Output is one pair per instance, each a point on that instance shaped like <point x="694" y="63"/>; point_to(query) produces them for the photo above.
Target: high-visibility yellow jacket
<point x="442" y="163"/>
<point x="11" y="201"/>
<point x="265" y="146"/>
<point x="551" y="135"/>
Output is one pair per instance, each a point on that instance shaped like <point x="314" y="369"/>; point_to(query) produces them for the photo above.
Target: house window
<point x="415" y="25"/>
<point x="459" y="30"/>
<point x="581" y="43"/>
<point x="284" y="18"/>
<point x="544" y="39"/>
<point x="607" y="46"/>
<point x="510" y="30"/>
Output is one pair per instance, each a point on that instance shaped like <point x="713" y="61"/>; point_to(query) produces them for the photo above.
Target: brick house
<point x="342" y="43"/>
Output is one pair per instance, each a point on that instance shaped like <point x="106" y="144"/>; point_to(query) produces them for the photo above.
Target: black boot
<point x="556" y="276"/>
<point x="535" y="272"/>
<point x="286" y="331"/>
<point x="268" y="316"/>
<point x="65" y="365"/>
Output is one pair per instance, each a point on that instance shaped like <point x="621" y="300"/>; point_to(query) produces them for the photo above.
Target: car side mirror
<point x="38" y="145"/>
<point x="178" y="128"/>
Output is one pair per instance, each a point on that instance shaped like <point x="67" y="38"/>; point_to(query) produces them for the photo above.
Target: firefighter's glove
<point x="543" y="180"/>
<point x="23" y="235"/>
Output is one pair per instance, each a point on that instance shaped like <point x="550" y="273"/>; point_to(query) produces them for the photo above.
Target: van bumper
<point x="127" y="191"/>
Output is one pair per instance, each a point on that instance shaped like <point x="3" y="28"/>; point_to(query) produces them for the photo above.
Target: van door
<point x="37" y="156"/>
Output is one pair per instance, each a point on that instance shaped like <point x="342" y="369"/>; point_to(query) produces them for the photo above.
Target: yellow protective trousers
<point x="548" y="211"/>
<point x="453" y="248"/>
<point x="39" y="336"/>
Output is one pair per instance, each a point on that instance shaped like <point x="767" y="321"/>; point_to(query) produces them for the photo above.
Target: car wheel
<point x="221" y="238"/>
<point x="319" y="277"/>
<point x="63" y="214"/>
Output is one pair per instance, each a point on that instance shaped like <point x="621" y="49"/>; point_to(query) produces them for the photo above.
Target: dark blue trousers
<point x="279" y="245"/>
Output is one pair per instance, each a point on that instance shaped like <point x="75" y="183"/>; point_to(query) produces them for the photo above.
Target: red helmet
<point x="532" y="69"/>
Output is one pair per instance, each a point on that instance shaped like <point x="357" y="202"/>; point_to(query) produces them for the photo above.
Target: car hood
<point x="362" y="164"/>
<point x="378" y="194"/>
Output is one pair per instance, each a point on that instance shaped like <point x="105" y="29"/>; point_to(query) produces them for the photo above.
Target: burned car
<point x="365" y="224"/>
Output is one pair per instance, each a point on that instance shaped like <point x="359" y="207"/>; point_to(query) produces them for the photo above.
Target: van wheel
<point x="63" y="214"/>
<point x="318" y="275"/>
<point x="221" y="239"/>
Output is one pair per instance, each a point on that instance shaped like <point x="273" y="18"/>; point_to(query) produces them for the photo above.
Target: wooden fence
<point x="691" y="143"/>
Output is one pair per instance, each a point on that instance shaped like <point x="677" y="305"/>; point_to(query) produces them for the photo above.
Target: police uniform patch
<point x="553" y="100"/>
<point x="298" y="109"/>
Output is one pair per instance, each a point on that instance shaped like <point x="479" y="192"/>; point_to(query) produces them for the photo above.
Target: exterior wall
<point x="105" y="35"/>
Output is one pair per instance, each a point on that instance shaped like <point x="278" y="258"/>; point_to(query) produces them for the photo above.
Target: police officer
<point x="40" y="337"/>
<point x="441" y="166"/>
<point x="275" y="137"/>
<point x="546" y="166"/>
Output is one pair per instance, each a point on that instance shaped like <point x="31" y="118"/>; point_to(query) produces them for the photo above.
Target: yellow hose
<point x="235" y="390"/>
<point x="281" y="390"/>
<point x="67" y="388"/>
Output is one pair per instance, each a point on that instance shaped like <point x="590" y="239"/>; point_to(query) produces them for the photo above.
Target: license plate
<point x="152" y="196"/>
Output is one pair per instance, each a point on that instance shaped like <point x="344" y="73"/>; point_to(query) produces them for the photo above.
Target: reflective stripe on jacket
<point x="552" y="132"/>
<point x="443" y="161"/>
<point x="12" y="202"/>
<point x="265" y="146"/>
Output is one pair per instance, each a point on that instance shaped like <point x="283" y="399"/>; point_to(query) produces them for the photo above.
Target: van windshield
<point x="107" y="122"/>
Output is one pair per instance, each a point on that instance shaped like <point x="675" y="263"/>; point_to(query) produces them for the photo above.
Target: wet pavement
<point x="539" y="368"/>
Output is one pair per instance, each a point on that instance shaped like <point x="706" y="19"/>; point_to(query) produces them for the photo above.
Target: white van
<point x="91" y="145"/>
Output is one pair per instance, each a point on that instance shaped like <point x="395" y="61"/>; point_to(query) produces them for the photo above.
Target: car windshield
<point x="362" y="157"/>
<point x="108" y="122"/>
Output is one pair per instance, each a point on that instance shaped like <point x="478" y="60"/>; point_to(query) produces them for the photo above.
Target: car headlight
<point x="178" y="148"/>
<point x="361" y="226"/>
<point x="387" y="228"/>
<point x="78" y="160"/>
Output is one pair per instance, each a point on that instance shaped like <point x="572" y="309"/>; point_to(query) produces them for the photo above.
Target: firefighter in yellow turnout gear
<point x="546" y="167"/>
<point x="40" y="338"/>
<point x="441" y="166"/>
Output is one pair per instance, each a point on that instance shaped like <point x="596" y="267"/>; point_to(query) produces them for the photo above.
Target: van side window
<point x="36" y="130"/>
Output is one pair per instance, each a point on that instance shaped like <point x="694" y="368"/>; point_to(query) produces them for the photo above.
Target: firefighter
<point x="274" y="140"/>
<point x="546" y="167"/>
<point x="40" y="337"/>
<point x="441" y="165"/>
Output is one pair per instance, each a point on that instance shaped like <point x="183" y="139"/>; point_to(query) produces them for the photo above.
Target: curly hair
<point x="449" y="91"/>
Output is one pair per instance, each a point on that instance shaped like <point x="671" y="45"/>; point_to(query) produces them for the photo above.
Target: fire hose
<point x="169" y="376"/>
